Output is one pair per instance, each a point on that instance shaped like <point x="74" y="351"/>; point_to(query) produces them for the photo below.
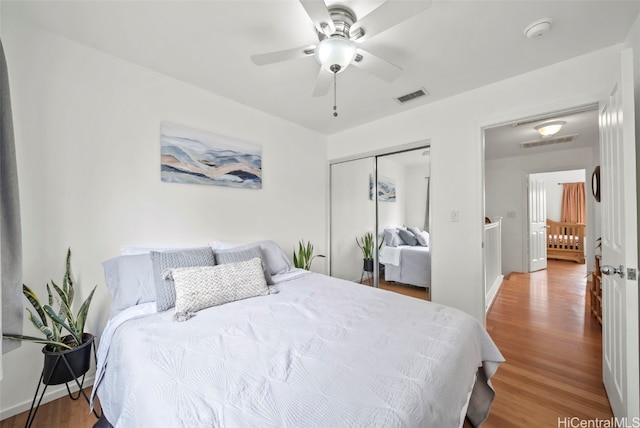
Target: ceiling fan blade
<point x="279" y="56"/>
<point x="377" y="66"/>
<point x="319" y="14"/>
<point x="323" y="82"/>
<point x="390" y="13"/>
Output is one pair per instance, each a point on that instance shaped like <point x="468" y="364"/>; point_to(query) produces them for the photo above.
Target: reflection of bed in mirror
<point x="406" y="264"/>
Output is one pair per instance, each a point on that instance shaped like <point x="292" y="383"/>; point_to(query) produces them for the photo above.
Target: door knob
<point x="610" y="270"/>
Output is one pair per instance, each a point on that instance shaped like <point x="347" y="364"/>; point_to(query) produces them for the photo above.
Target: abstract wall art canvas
<point x="200" y="157"/>
<point x="386" y="189"/>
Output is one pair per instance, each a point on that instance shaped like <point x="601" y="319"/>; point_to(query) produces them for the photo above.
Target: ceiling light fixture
<point x="548" y="129"/>
<point x="334" y="54"/>
<point x="538" y="28"/>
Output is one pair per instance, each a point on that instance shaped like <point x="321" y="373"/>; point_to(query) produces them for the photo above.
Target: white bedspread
<point x="390" y="256"/>
<point x="321" y="353"/>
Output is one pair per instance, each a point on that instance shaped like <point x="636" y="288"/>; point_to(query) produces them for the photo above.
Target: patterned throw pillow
<point x="163" y="260"/>
<point x="202" y="287"/>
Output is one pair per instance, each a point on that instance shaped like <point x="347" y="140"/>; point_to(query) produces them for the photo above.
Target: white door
<point x="537" y="223"/>
<point x="619" y="245"/>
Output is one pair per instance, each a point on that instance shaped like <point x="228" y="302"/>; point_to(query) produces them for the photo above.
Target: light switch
<point x="454" y="216"/>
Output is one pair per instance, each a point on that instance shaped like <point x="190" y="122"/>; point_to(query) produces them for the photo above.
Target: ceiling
<point x="505" y="141"/>
<point x="452" y="47"/>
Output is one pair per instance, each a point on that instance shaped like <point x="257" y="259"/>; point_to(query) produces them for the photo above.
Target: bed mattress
<point x="322" y="352"/>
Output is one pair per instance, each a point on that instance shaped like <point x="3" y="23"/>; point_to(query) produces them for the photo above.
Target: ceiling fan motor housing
<point x="336" y="52"/>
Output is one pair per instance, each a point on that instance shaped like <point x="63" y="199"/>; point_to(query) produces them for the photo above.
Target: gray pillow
<point x="235" y="255"/>
<point x="276" y="260"/>
<point x="414" y="230"/>
<point x="392" y="238"/>
<point x="163" y="260"/>
<point x="130" y="281"/>
<point x="408" y="237"/>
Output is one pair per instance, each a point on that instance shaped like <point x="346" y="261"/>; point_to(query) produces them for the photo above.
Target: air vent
<point x="549" y="141"/>
<point x="412" y="96"/>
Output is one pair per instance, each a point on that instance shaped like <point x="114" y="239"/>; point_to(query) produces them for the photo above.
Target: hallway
<point x="542" y="325"/>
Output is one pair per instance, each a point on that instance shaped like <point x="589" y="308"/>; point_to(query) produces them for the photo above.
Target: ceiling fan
<point x="340" y="35"/>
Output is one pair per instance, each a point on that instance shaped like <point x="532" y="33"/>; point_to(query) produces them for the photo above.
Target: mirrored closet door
<point x="380" y="209"/>
<point x="353" y="216"/>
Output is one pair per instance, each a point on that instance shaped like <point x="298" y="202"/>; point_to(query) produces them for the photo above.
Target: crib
<point x="565" y="241"/>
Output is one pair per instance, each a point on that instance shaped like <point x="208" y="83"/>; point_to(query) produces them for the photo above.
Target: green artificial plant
<point x="366" y="245"/>
<point x="304" y="256"/>
<point x="52" y="322"/>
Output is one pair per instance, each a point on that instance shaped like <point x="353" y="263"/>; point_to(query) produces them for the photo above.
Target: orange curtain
<point x="573" y="203"/>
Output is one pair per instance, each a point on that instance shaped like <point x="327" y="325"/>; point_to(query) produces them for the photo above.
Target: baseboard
<point x="53" y="393"/>
<point x="492" y="293"/>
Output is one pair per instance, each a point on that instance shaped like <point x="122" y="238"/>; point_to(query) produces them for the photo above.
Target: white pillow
<point x="423" y="238"/>
<point x="132" y="251"/>
<point x="201" y="287"/>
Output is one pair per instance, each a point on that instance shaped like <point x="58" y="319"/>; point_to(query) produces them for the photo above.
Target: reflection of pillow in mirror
<point x="392" y="238"/>
<point x="423" y="238"/>
<point x="414" y="230"/>
<point x="408" y="237"/>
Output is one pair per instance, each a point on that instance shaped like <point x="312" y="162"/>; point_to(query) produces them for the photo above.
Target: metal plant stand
<point x="60" y="359"/>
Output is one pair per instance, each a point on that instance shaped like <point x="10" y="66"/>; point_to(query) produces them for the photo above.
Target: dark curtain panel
<point x="10" y="234"/>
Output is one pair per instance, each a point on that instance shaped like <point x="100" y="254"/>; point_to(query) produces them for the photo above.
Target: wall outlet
<point x="511" y="214"/>
<point x="454" y="216"/>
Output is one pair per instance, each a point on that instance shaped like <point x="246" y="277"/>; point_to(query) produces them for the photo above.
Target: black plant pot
<point x="78" y="358"/>
<point x="367" y="265"/>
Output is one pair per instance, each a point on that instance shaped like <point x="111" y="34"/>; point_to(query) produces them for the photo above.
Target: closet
<point x="379" y="220"/>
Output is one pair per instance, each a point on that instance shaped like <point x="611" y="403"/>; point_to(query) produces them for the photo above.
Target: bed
<point x="407" y="265"/>
<point x="319" y="352"/>
<point x="406" y="256"/>
<point x="565" y="241"/>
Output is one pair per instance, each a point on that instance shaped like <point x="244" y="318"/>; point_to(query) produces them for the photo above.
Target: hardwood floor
<point x="60" y="413"/>
<point x="542" y="325"/>
<point x="407" y="290"/>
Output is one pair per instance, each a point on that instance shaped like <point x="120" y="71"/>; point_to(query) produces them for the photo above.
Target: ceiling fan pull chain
<point x="335" y="107"/>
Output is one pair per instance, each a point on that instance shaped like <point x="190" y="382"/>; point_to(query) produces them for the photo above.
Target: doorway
<point x="515" y="150"/>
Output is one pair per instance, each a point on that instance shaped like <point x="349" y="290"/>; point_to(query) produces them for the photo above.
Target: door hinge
<point x="631" y="274"/>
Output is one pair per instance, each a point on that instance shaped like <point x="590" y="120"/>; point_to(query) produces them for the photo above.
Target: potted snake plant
<point x="366" y="246"/>
<point x="304" y="256"/>
<point x="62" y="333"/>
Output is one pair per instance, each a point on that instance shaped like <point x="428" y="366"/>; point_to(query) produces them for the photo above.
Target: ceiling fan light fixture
<point x="335" y="51"/>
<point x="548" y="129"/>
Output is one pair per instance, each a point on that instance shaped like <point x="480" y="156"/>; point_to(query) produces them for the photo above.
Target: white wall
<point x="392" y="214"/>
<point x="454" y="128"/>
<point x="353" y="215"/>
<point x="505" y="193"/>
<point x="87" y="134"/>
<point x="416" y="200"/>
